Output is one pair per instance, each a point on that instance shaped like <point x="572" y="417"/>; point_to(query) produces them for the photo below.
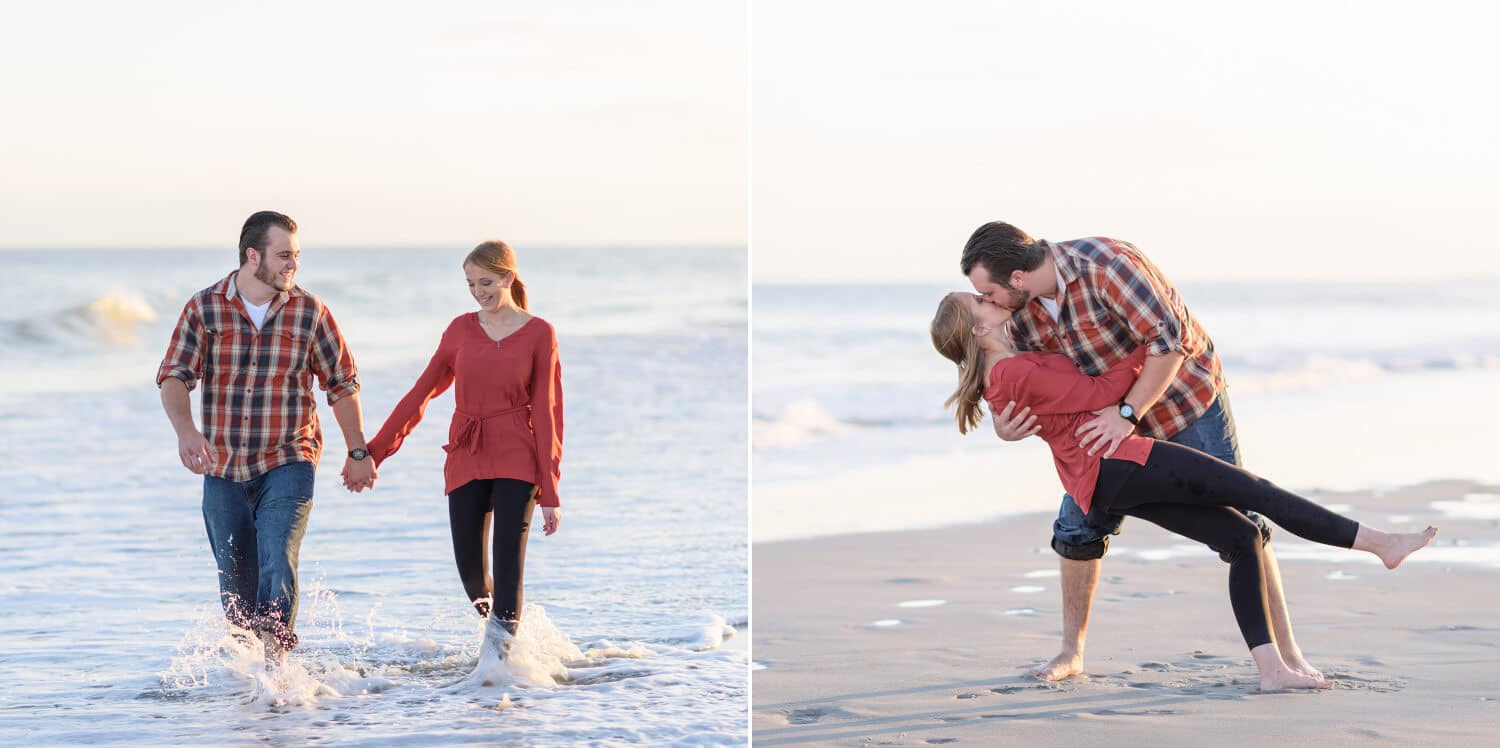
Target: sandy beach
<point x="923" y="637"/>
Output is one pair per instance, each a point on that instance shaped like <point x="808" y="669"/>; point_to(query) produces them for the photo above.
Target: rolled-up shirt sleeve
<point x="332" y="361"/>
<point x="1150" y="306"/>
<point x="184" y="359"/>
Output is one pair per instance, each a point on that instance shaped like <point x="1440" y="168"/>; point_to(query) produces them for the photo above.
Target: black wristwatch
<point x="358" y="454"/>
<point x="1127" y="412"/>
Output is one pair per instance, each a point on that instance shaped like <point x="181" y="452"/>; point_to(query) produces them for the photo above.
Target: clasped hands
<point x="359" y="474"/>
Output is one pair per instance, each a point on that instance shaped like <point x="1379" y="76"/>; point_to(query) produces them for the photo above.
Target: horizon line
<point x="1238" y="279"/>
<point x="632" y="244"/>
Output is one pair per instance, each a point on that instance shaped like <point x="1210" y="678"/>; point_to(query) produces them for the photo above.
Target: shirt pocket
<point x="223" y="351"/>
<point x="291" y="350"/>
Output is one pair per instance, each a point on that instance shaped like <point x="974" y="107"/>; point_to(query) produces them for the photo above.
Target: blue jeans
<point x="1086" y="537"/>
<point x="255" y="529"/>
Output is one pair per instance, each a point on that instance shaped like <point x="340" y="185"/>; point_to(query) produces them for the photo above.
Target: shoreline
<point x="923" y="637"/>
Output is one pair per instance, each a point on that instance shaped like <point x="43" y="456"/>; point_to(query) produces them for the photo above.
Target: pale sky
<point x="1279" y="140"/>
<point x="385" y="123"/>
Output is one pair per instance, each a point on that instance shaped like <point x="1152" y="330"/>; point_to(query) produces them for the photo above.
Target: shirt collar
<point x="1062" y="262"/>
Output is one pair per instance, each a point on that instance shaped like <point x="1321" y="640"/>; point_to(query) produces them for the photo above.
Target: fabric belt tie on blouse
<point x="468" y="433"/>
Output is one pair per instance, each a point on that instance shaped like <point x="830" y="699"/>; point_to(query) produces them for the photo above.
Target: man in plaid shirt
<point x="256" y="341"/>
<point x="1095" y="300"/>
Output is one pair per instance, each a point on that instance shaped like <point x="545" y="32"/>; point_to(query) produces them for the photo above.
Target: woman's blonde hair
<point x="953" y="336"/>
<point x="498" y="258"/>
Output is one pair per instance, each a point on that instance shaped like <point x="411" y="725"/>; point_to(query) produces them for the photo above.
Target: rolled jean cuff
<point x="273" y="624"/>
<point x="1084" y="552"/>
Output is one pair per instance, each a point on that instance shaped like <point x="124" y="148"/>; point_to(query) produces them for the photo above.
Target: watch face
<point x="1126" y="411"/>
<point x="359" y="454"/>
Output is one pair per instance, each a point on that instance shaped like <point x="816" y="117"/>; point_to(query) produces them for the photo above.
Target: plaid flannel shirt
<point x="1113" y="300"/>
<point x="257" y="401"/>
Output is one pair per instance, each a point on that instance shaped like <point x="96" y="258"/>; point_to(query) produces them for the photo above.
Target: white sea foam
<point x="1486" y="556"/>
<point x="796" y="424"/>
<point x="1472" y="506"/>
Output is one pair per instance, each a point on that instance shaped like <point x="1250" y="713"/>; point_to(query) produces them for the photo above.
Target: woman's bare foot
<point x="1282" y="680"/>
<point x="1277" y="675"/>
<point x="1403" y="544"/>
<point x="1296" y="664"/>
<point x="1064" y="665"/>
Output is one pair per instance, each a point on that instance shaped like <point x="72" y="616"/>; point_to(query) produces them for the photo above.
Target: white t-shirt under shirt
<point x="258" y="313"/>
<point x="1050" y="304"/>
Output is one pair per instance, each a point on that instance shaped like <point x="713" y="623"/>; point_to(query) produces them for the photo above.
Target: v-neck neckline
<point x="507" y="336"/>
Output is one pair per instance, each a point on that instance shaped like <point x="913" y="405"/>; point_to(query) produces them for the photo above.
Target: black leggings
<point x="1196" y="495"/>
<point x="469" y="510"/>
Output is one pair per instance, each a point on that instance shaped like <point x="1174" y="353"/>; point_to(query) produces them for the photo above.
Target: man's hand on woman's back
<point x="1014" y="426"/>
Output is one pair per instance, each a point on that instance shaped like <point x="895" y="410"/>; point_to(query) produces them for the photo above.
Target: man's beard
<point x="263" y="274"/>
<point x="1016" y="299"/>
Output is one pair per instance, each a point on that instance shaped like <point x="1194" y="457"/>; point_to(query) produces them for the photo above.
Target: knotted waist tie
<point x="468" y="433"/>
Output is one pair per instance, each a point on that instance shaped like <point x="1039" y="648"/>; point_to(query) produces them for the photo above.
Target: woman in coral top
<point x="505" y="442"/>
<point x="1180" y="489"/>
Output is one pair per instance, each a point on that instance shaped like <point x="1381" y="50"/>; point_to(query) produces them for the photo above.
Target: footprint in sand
<point x="1021" y="612"/>
<point x="1027" y="589"/>
<point x="940" y="741"/>
<point x="887" y="622"/>
<point x="808" y="716"/>
<point x="921" y="603"/>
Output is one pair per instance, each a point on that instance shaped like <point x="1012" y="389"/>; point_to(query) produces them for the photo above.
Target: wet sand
<point x="923" y="637"/>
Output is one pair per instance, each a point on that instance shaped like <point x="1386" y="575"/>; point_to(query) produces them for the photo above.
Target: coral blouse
<point x="508" y="414"/>
<point x="1064" y="398"/>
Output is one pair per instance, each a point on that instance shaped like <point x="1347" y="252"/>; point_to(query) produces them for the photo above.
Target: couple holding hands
<point x="256" y="341"/>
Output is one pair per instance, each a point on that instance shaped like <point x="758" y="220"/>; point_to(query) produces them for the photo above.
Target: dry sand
<point x="1413" y="652"/>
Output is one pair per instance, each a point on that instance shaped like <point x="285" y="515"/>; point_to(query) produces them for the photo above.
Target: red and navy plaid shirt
<point x="1114" y="299"/>
<point x="258" y="409"/>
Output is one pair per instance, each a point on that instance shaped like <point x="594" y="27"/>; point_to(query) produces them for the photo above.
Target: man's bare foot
<point x="1285" y="679"/>
<point x="1300" y="666"/>
<point x="1062" y="666"/>
<point x="1403" y="544"/>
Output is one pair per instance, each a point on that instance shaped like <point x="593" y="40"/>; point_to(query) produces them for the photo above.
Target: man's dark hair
<point x="1002" y="249"/>
<point x="253" y="235"/>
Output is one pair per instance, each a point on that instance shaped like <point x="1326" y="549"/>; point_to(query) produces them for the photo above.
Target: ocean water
<point x="634" y="632"/>
<point x="1333" y="386"/>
